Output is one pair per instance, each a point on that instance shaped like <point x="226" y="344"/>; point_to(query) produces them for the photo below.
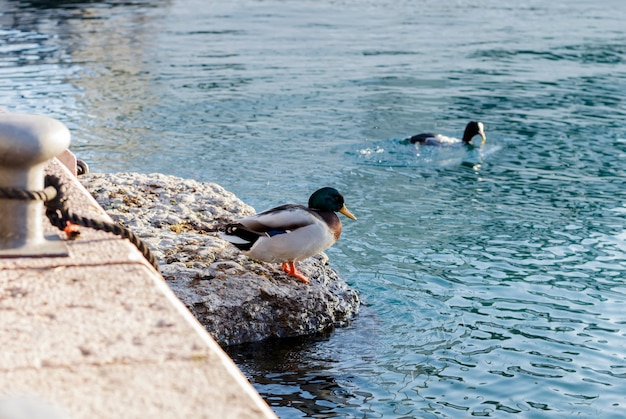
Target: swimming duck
<point x="472" y="129"/>
<point x="291" y="232"/>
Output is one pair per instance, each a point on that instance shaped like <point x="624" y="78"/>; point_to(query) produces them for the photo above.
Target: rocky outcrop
<point x="237" y="299"/>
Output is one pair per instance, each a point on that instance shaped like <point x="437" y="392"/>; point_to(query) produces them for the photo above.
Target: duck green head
<point x="329" y="199"/>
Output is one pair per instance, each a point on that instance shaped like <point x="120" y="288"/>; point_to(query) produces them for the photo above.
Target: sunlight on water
<point x="492" y="277"/>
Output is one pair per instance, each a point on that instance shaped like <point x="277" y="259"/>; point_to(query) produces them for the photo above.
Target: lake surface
<point x="493" y="278"/>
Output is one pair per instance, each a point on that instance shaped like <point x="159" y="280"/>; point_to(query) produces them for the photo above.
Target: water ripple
<point x="492" y="277"/>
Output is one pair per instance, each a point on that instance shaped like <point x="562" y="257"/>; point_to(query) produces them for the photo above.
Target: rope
<point x="47" y="194"/>
<point x="59" y="215"/>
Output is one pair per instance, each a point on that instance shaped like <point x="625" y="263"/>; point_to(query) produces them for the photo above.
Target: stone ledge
<point x="99" y="334"/>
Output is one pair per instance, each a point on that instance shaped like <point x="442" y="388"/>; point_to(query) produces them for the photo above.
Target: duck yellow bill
<point x="346" y="212"/>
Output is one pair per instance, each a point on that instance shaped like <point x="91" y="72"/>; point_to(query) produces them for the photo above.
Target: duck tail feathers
<point x="239" y="236"/>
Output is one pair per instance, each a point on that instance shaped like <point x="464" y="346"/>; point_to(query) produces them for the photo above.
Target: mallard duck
<point x="291" y="232"/>
<point x="472" y="129"/>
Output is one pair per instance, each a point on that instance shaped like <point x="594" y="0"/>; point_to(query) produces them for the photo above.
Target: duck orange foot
<point x="291" y="270"/>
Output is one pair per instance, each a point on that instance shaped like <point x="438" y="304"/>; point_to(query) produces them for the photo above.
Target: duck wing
<point x="422" y="138"/>
<point x="279" y="220"/>
<point x="286" y="233"/>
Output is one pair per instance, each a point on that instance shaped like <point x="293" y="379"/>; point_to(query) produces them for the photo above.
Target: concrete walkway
<point x="99" y="334"/>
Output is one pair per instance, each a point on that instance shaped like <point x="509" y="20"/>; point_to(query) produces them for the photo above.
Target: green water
<point x="492" y="278"/>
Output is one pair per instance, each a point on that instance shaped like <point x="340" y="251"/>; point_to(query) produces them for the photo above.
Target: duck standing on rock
<point x="291" y="232"/>
<point x="472" y="129"/>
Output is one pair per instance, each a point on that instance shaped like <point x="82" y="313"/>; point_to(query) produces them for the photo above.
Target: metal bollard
<point x="27" y="142"/>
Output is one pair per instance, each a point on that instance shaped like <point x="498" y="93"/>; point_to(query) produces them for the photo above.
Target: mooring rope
<point x="55" y="201"/>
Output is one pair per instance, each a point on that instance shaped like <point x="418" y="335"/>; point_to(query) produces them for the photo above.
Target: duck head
<point x="329" y="199"/>
<point x="473" y="129"/>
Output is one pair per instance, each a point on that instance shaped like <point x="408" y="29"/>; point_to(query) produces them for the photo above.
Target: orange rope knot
<point x="71" y="230"/>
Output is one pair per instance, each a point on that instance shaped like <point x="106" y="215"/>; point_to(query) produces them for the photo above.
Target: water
<point x="492" y="278"/>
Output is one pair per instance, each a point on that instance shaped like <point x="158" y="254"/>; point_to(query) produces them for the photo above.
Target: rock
<point x="237" y="299"/>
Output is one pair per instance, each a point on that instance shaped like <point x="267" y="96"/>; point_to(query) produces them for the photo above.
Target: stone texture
<point x="237" y="299"/>
<point x="99" y="334"/>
